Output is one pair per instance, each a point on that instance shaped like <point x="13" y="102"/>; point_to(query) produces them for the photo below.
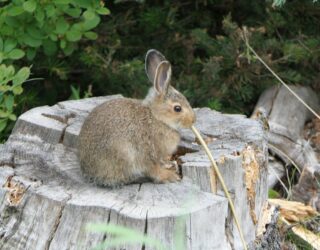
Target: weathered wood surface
<point x="45" y="203"/>
<point x="287" y="117"/>
<point x="239" y="146"/>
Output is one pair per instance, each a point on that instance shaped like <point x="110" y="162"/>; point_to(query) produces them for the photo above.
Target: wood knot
<point x="15" y="189"/>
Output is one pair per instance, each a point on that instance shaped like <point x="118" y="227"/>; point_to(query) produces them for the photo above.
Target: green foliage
<point x="123" y="235"/>
<point x="30" y="28"/>
<point x="297" y="241"/>
<point x="10" y="87"/>
<point x="273" y="194"/>
<point x="47" y="25"/>
<point x="203" y="40"/>
<point x="76" y="94"/>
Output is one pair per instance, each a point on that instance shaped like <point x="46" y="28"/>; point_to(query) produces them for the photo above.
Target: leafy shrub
<point x="35" y="27"/>
<point x="9" y="88"/>
<point x="202" y="39"/>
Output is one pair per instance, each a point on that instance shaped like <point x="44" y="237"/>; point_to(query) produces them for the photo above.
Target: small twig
<point x="275" y="75"/>
<point x="289" y="183"/>
<point x="217" y="172"/>
<point x="285" y="155"/>
<point x="33" y="79"/>
<point x="280" y="181"/>
<point x="305" y="46"/>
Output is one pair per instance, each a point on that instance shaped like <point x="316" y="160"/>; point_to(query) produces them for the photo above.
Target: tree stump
<point x="45" y="203"/>
<point x="287" y="117"/>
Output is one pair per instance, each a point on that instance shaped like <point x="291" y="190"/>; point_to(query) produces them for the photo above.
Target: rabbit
<point x="125" y="140"/>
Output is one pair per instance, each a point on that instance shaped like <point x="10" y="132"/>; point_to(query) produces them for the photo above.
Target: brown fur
<point x="124" y="140"/>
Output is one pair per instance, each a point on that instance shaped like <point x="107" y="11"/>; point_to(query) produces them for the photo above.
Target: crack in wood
<point x="104" y="237"/>
<point x="228" y="229"/>
<point x="62" y="119"/>
<point x="57" y="222"/>
<point x="8" y="162"/>
<point x="145" y="230"/>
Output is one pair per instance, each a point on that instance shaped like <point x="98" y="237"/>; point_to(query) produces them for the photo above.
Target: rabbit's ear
<point x="162" y="77"/>
<point x="153" y="59"/>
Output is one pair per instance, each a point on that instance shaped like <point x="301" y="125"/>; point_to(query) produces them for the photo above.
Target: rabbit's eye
<point x="177" y="108"/>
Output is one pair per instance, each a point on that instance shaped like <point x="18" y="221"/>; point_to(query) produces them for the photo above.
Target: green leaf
<point x="74" y="12"/>
<point x="50" y="10"/>
<point x="4" y="88"/>
<point x="9" y="71"/>
<point x="16" y="54"/>
<point x="3" y="124"/>
<point x="53" y="37"/>
<point x="103" y="11"/>
<point x="73" y="35"/>
<point x="78" y="26"/>
<point x="124" y="234"/>
<point x="17" y="90"/>
<point x="31" y="53"/>
<point x="75" y="93"/>
<point x="12" y="117"/>
<point x="8" y="102"/>
<point x="91" y="35"/>
<point x="39" y="15"/>
<point x="83" y="4"/>
<point x="1" y="57"/>
<point x="70" y="47"/>
<point x="63" y="44"/>
<point x="30" y="5"/>
<point x="1" y="44"/>
<point x="12" y="21"/>
<point x="35" y="32"/>
<point x="62" y="1"/>
<point x="88" y="14"/>
<point x="91" y="23"/>
<point x="9" y="44"/>
<point x="3" y="114"/>
<point x="32" y="42"/>
<point x="49" y="47"/>
<point x="2" y="73"/>
<point x="62" y="26"/>
<point x="7" y="30"/>
<point x="15" y="11"/>
<point x="273" y="194"/>
<point x="22" y="75"/>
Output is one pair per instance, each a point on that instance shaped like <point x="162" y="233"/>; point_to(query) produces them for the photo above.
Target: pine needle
<point x="279" y="151"/>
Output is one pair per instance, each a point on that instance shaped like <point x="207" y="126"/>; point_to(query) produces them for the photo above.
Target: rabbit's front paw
<point x="163" y="175"/>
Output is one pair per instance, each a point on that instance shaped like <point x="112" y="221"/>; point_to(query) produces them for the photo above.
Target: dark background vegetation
<point x="202" y="40"/>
